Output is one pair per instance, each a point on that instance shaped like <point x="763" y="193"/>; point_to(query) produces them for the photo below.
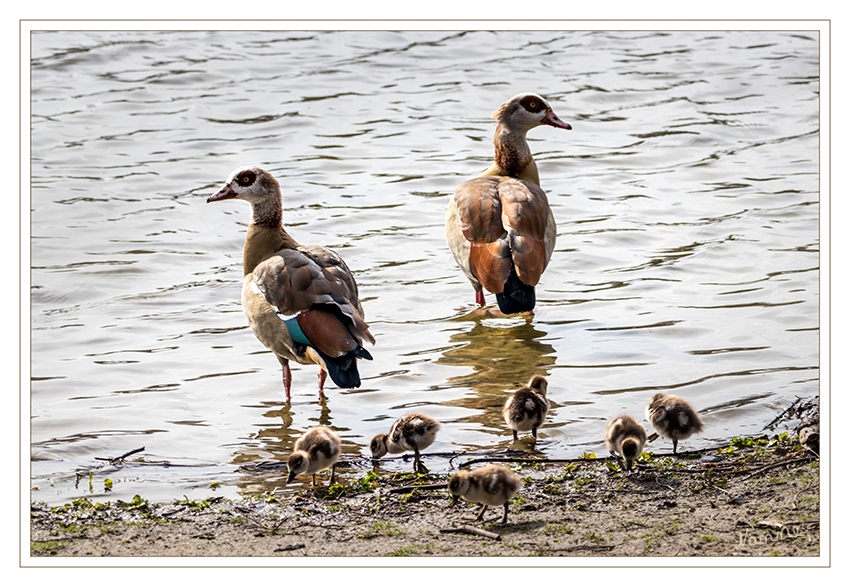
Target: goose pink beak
<point x="225" y="193"/>
<point x="552" y="120"/>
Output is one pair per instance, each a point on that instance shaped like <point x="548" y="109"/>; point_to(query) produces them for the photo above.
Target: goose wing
<point x="313" y="286"/>
<point x="507" y="223"/>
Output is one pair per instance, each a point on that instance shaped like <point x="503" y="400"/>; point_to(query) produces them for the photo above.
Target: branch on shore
<point x="412" y="488"/>
<point x="471" y="530"/>
<point x="757" y="470"/>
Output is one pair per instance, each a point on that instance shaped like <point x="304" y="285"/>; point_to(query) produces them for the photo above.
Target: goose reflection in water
<point x="503" y="356"/>
<point x="273" y="443"/>
<point x="279" y="438"/>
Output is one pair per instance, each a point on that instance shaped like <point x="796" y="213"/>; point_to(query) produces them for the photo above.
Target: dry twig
<point x="758" y="470"/>
<point x="412" y="488"/>
<point x="471" y="530"/>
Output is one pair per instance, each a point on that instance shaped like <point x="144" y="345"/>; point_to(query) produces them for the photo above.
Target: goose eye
<point x="246" y="178"/>
<point x="532" y="104"/>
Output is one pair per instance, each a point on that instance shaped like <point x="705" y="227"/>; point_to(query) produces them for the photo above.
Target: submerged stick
<point x="529" y="460"/>
<point x="785" y="411"/>
<point x="121" y="458"/>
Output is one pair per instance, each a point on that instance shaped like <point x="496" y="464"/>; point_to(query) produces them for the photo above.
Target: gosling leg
<point x="418" y="467"/>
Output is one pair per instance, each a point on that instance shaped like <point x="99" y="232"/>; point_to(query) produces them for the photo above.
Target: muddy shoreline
<point x="757" y="497"/>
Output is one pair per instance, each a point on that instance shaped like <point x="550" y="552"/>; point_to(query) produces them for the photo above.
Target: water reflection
<point x="503" y="355"/>
<point x="276" y="439"/>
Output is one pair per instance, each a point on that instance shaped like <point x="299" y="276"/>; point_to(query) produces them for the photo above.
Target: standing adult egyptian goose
<point x="412" y="431"/>
<point x="300" y="300"/>
<point x="673" y="418"/>
<point x="499" y="226"/>
<point x="317" y="449"/>
<point x="526" y="408"/>
<point x="626" y="437"/>
<point x="489" y="485"/>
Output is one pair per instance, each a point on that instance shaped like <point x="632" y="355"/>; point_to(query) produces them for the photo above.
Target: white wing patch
<point x="256" y="289"/>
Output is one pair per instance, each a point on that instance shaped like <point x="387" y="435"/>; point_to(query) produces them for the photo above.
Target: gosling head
<point x="459" y="486"/>
<point x="298" y="463"/>
<point x="378" y="446"/>
<point x="539" y="384"/>
<point x="631" y="451"/>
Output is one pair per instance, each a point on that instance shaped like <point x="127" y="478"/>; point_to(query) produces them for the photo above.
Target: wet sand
<point x="753" y="498"/>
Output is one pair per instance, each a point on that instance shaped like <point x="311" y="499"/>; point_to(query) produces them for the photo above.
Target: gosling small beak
<point x="290" y="477"/>
<point x="455" y="499"/>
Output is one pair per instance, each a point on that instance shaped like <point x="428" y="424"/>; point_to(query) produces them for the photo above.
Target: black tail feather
<point x="517" y="296"/>
<point x="343" y="370"/>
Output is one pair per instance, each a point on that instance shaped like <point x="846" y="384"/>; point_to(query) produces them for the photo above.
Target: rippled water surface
<point x="686" y="197"/>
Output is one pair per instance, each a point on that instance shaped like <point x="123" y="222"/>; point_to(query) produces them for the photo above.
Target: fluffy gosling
<point x="526" y="408"/>
<point x="626" y="438"/>
<point x="488" y="485"/>
<point x="673" y="418"/>
<point x="413" y="431"/>
<point x="317" y="449"/>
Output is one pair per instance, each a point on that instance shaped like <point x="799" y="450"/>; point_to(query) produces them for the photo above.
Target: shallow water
<point x="687" y="260"/>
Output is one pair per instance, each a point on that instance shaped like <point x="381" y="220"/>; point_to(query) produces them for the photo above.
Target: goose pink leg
<point x="287" y="379"/>
<point x="323" y="375"/>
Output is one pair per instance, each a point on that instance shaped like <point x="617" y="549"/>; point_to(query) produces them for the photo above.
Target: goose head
<point x="257" y="187"/>
<point x="526" y="111"/>
<point x="249" y="183"/>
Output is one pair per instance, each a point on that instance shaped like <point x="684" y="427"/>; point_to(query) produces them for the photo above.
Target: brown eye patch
<point x="533" y="104"/>
<point x="246" y="178"/>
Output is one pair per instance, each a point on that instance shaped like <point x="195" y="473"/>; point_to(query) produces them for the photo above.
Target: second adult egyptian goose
<point x="499" y="226"/>
<point x="300" y="300"/>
